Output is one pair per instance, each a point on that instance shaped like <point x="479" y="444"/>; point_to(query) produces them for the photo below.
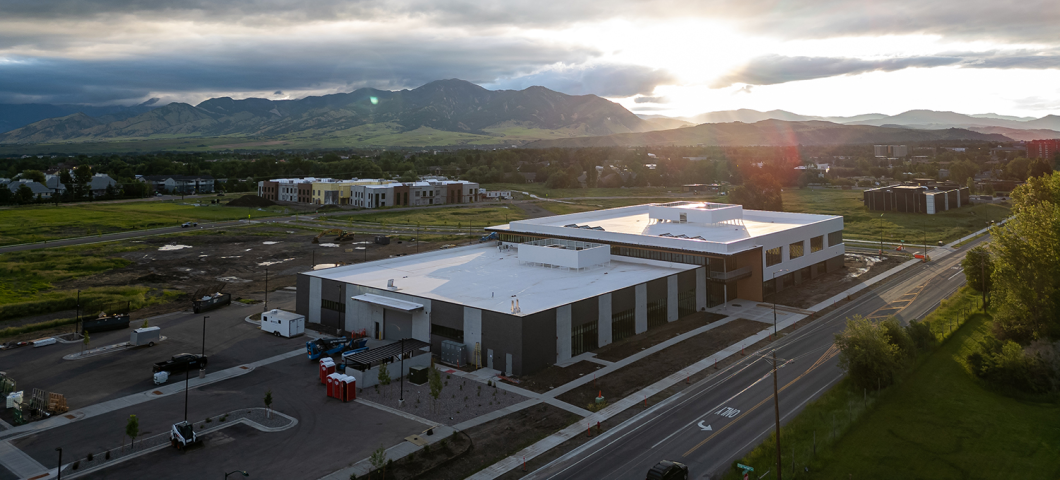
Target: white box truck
<point x="145" y="336"/>
<point x="282" y="323"/>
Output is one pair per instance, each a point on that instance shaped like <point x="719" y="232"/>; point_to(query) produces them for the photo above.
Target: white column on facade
<point x="671" y="298"/>
<point x="701" y="288"/>
<point x="603" y="327"/>
<point x="563" y="332"/>
<point x="314" y="300"/>
<point x="473" y="334"/>
<point x="641" y="310"/>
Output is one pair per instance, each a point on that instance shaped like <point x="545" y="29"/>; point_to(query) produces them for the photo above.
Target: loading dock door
<point x="397" y="325"/>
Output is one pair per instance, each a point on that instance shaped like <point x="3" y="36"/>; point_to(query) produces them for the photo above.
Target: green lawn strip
<point x="541" y="190"/>
<point x="914" y="228"/>
<point x="452" y="216"/>
<point x="561" y="208"/>
<point x="938" y="422"/>
<point x="50" y="222"/>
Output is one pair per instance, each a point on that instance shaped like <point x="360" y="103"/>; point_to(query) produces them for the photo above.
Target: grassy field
<point x="49" y="222"/>
<point x="938" y="422"/>
<point x="541" y="190"/>
<point x="455" y="216"/>
<point x="860" y="223"/>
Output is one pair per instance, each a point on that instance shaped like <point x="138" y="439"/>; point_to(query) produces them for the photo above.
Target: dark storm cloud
<point x="275" y="66"/>
<point x="606" y="80"/>
<point x="774" y="69"/>
<point x="1027" y="20"/>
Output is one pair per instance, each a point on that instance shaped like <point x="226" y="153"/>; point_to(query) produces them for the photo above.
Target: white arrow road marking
<point x="706" y="428"/>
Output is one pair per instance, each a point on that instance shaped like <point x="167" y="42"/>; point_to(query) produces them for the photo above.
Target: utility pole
<point x="204" y="317"/>
<point x="776" y="410"/>
<point x="266" y="290"/>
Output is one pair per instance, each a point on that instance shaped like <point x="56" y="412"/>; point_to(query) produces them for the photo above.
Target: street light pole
<point x="775" y="300"/>
<point x="881" y="234"/>
<point x="401" y="399"/>
<point x="59" y="475"/>
<point x="204" y="317"/>
<point x="266" y="289"/>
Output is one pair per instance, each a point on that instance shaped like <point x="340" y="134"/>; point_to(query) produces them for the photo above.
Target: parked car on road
<point x="189" y="224"/>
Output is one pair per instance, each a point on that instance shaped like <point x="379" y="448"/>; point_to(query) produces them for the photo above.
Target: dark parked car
<point x="667" y="470"/>
<point x="181" y="362"/>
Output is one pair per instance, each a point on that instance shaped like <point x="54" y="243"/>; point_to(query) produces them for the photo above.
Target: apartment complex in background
<point x="369" y="192"/>
<point x="1046" y="149"/>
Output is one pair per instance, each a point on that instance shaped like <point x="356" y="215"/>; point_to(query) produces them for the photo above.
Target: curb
<point x="95" y="352"/>
<point x="249" y="423"/>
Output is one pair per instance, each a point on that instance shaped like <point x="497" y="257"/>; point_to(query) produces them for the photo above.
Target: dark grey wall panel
<point x="539" y="342"/>
<point x="657" y="289"/>
<point x="624" y="299"/>
<point x="301" y="296"/>
<point x="584" y="311"/>
<point x="501" y="333"/>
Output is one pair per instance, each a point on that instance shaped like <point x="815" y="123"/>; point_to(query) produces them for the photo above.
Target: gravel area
<point x="461" y="399"/>
<point x="257" y="415"/>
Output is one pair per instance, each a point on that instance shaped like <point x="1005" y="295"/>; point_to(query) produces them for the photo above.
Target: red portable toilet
<point x="334" y="385"/>
<point x="327" y="367"/>
<point x="349" y="388"/>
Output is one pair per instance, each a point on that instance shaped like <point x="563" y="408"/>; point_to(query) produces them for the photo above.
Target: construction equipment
<point x="104" y="322"/>
<point x="324" y="347"/>
<point x="491" y="236"/>
<point x="355" y="346"/>
<point x="182" y="435"/>
<point x="330" y="231"/>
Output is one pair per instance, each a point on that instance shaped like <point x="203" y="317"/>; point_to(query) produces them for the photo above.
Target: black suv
<point x="667" y="470"/>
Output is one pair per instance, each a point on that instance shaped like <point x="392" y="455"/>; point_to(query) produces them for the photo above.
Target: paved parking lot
<point x="329" y="436"/>
<point x="230" y="341"/>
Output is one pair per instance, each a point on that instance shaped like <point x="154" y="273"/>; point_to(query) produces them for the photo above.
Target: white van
<point x="283" y="324"/>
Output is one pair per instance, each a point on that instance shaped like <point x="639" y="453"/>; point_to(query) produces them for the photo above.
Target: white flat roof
<point x="485" y="277"/>
<point x="633" y="225"/>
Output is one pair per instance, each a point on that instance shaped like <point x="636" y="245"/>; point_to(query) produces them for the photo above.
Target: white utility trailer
<point x="282" y="323"/>
<point x="145" y="336"/>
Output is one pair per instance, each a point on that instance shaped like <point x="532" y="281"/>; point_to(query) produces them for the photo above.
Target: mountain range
<point x="443" y="106"/>
<point x="772" y="133"/>
<point x="457" y="112"/>
<point x="1048" y="125"/>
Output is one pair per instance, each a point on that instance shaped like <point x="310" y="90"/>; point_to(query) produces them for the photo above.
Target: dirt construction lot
<point x="858" y="268"/>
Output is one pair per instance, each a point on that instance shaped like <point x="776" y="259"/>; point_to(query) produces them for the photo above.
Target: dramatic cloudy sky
<point x="829" y="57"/>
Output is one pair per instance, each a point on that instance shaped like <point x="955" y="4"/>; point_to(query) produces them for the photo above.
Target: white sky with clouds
<point x="678" y="58"/>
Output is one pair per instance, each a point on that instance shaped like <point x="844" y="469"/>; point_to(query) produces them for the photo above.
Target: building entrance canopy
<point x="387" y="302"/>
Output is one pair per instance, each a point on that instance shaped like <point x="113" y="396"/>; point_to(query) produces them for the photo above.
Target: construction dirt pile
<point x="252" y="201"/>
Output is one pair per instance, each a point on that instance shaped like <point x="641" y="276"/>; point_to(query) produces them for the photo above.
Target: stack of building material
<point x="57" y="403"/>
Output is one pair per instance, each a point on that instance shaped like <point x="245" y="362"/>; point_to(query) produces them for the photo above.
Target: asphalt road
<point x="718" y="420"/>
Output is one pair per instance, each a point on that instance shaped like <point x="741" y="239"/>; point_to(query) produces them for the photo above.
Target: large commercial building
<point x="552" y="288"/>
<point x="916" y="199"/>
